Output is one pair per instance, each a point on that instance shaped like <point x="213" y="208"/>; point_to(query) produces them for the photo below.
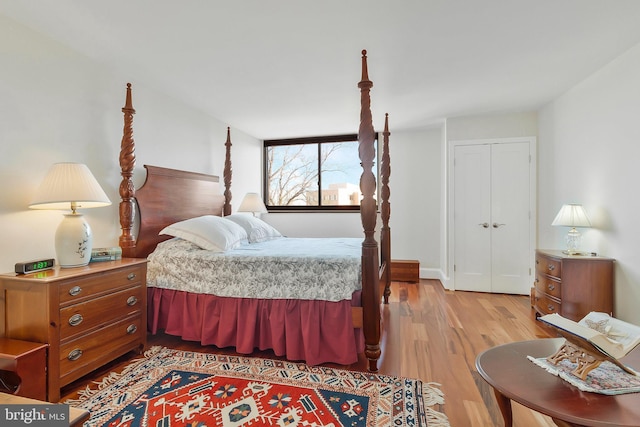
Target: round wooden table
<point x="514" y="377"/>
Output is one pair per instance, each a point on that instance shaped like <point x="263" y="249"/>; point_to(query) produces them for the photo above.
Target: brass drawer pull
<point x="551" y="307"/>
<point x="75" y="291"/>
<point x="551" y="286"/>
<point x="76" y="319"/>
<point x="132" y="329"/>
<point x="132" y="300"/>
<point x="551" y="267"/>
<point x="74" y="354"/>
<point x="131" y="276"/>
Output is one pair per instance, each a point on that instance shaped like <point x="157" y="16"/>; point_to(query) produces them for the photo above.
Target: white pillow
<point x="210" y="232"/>
<point x="257" y="229"/>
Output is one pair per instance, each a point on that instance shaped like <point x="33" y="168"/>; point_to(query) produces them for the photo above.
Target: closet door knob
<point x="484" y="225"/>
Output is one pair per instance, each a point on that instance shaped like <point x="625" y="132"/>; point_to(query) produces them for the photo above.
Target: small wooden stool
<point x="23" y="368"/>
<point x="405" y="270"/>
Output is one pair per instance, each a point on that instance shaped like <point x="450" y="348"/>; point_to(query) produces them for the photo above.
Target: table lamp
<point x="572" y="215"/>
<point x="252" y="202"/>
<point x="71" y="186"/>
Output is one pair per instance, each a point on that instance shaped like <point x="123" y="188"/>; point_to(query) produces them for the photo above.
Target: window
<point x="317" y="173"/>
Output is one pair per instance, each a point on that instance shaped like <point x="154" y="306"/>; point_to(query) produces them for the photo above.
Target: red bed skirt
<point x="311" y="331"/>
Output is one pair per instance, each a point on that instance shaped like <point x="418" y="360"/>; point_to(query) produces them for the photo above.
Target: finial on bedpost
<point x="385" y="209"/>
<point x="227" y="175"/>
<point x="368" y="214"/>
<point x="127" y="189"/>
<point x="365" y="69"/>
<point x="127" y="104"/>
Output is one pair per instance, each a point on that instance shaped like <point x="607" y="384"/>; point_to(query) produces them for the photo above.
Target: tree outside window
<point x="318" y="173"/>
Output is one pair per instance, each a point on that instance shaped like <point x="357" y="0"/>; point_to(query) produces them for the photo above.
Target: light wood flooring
<point x="431" y="334"/>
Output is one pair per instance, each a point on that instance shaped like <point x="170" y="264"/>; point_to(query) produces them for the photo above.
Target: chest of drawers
<point x="572" y="286"/>
<point x="88" y="315"/>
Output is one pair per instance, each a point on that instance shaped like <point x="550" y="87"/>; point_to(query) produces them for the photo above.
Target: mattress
<point x="327" y="269"/>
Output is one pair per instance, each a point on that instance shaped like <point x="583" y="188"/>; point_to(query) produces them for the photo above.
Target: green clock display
<point x="33" y="266"/>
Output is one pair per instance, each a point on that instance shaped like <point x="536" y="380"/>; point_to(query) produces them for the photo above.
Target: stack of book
<point x="106" y="254"/>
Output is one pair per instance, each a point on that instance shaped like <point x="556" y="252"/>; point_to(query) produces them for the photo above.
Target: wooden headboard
<point x="168" y="196"/>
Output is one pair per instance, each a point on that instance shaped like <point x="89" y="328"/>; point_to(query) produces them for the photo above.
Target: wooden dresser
<point x="88" y="315"/>
<point x="572" y="286"/>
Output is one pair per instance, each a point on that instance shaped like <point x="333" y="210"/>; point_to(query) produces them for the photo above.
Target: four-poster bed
<point x="311" y="330"/>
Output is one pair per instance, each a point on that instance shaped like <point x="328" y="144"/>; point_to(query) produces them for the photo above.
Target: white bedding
<point x="286" y="268"/>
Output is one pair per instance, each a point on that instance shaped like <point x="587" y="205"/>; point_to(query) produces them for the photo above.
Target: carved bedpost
<point x="368" y="214"/>
<point x="227" y="175"/>
<point x="127" y="189"/>
<point x="385" y="209"/>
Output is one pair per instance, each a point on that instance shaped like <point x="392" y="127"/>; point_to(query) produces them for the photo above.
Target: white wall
<point x="416" y="180"/>
<point x="589" y="148"/>
<point x="58" y="106"/>
<point x="489" y="126"/>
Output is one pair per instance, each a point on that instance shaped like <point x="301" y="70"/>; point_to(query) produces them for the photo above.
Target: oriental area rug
<point x="169" y="388"/>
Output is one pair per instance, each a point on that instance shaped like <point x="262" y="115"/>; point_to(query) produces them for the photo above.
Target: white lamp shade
<point x="67" y="183"/>
<point x="572" y="215"/>
<point x="252" y="202"/>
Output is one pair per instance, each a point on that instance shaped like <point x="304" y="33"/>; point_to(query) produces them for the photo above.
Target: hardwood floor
<point x="431" y="334"/>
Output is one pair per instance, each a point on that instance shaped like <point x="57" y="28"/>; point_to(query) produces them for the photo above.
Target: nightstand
<point x="88" y="315"/>
<point x="572" y="285"/>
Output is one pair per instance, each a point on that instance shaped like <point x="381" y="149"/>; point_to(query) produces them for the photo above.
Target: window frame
<point x="319" y="140"/>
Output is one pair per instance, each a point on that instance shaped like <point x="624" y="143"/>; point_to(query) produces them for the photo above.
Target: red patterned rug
<point x="170" y="388"/>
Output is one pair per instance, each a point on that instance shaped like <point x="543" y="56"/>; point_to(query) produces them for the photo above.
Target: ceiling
<point x="288" y="68"/>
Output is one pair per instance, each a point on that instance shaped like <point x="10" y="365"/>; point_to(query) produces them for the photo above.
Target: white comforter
<point x="287" y="268"/>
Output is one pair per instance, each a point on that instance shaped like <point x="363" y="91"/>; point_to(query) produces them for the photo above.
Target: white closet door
<point x="492" y="217"/>
<point x="510" y="218"/>
<point x="472" y="217"/>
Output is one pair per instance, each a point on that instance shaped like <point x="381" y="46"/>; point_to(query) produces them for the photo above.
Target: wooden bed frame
<point x="170" y="195"/>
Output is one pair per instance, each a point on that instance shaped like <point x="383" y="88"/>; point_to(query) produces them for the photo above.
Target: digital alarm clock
<point x="33" y="266"/>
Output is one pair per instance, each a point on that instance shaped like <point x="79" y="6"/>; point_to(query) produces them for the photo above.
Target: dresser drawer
<point x="549" y="266"/>
<point x="84" y="316"/>
<point x="73" y="291"/>
<point x="81" y="356"/>
<point x="546" y="304"/>
<point x="549" y="286"/>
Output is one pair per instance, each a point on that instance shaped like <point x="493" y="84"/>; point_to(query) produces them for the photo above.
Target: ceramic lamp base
<point x="74" y="241"/>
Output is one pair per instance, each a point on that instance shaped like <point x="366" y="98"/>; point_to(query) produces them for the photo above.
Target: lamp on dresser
<point x="71" y="186"/>
<point x="252" y="202"/>
<point x="574" y="216"/>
